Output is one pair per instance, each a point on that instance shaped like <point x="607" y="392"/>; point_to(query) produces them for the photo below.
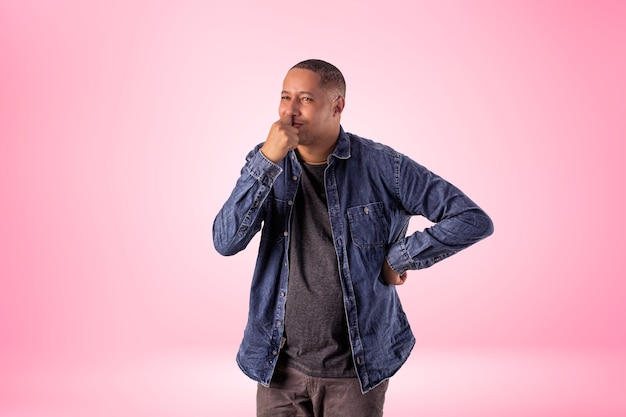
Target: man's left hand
<point x="391" y="277"/>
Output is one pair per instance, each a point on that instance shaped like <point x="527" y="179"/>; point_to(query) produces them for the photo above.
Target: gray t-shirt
<point x="316" y="332"/>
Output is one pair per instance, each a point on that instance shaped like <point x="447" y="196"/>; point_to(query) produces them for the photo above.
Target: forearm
<point x="241" y="215"/>
<point x="425" y="248"/>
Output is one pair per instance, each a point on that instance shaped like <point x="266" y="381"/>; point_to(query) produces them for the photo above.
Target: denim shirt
<point x="372" y="191"/>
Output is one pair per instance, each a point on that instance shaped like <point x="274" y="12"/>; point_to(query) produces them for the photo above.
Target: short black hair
<point x="331" y="79"/>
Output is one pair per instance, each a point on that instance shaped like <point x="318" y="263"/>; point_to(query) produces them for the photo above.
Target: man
<point x="325" y="328"/>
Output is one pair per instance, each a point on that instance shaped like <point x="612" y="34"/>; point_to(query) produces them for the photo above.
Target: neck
<point x="314" y="156"/>
<point x="317" y="151"/>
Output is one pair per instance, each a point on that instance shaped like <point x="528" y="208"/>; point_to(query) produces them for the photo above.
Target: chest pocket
<point x="368" y="225"/>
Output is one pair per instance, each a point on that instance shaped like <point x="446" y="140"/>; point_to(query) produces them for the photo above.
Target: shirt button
<point x="290" y="202"/>
<point x="366" y="210"/>
<point x="294" y="178"/>
<point x="285" y="234"/>
<point x="282" y="293"/>
<point x="274" y="352"/>
<point x="279" y="323"/>
<point x="358" y="360"/>
<point x="272" y="174"/>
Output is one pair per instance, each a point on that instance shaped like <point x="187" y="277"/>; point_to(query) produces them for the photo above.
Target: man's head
<point x="331" y="79"/>
<point x="313" y="99"/>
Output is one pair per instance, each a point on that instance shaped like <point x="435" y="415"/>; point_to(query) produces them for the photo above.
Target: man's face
<point x="311" y="109"/>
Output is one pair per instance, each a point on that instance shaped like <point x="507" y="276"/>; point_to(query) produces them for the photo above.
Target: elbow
<point x="463" y="230"/>
<point x="484" y="226"/>
<point x="223" y="243"/>
<point x="223" y="250"/>
<point x="223" y="246"/>
<point x="475" y="227"/>
<point x="229" y="241"/>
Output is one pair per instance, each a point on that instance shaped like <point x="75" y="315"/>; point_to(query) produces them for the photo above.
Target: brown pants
<point x="294" y="394"/>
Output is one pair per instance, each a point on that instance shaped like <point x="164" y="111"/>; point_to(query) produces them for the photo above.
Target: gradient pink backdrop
<point x="123" y="126"/>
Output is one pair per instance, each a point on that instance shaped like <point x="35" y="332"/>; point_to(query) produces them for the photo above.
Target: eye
<point x="284" y="98"/>
<point x="307" y="99"/>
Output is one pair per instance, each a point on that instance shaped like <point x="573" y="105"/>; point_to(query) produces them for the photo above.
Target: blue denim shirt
<point x="372" y="191"/>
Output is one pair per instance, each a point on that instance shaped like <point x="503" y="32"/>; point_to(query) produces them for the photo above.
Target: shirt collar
<point x="342" y="149"/>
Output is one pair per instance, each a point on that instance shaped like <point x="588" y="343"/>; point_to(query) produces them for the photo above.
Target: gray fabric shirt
<point x="317" y="342"/>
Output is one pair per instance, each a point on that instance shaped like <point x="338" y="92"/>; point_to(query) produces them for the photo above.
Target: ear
<point x="338" y="105"/>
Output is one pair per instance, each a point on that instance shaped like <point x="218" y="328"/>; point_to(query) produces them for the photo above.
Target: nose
<point x="291" y="108"/>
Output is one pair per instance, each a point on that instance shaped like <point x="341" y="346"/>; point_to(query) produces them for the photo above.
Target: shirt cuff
<point x="399" y="259"/>
<point x="264" y="170"/>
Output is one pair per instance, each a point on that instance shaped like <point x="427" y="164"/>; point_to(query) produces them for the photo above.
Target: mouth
<point x="296" y="124"/>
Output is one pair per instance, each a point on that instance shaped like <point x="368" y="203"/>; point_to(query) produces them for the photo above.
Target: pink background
<point x="123" y="126"/>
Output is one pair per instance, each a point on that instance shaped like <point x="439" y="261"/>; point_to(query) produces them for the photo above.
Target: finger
<point x="286" y="119"/>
